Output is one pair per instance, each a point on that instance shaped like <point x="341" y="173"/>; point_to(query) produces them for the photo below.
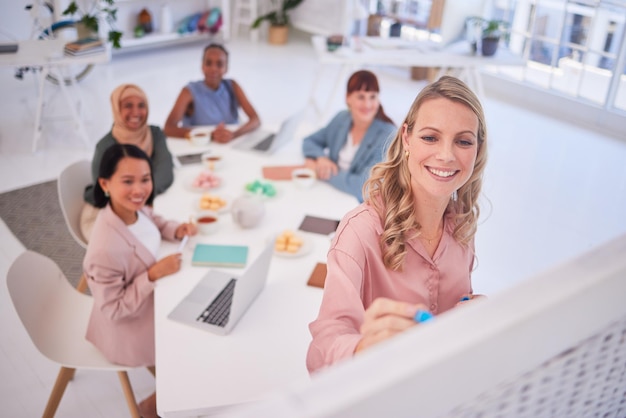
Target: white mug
<point x="212" y="161"/>
<point x="200" y="136"/>
<point x="303" y="177"/>
<point x="207" y="222"/>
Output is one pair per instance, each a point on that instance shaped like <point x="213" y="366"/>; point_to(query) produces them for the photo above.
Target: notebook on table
<point x="8" y="48"/>
<point x="318" y="276"/>
<point x="220" y="299"/>
<point x="280" y="172"/>
<point x="220" y="255"/>
<point x="319" y="225"/>
<point x="268" y="142"/>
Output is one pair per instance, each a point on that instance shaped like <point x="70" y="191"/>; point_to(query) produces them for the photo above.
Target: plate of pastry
<point x="214" y="202"/>
<point x="265" y="189"/>
<point x="204" y="181"/>
<point x="290" y="244"/>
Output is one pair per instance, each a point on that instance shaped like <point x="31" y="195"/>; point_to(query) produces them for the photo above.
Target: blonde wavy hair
<point x="389" y="191"/>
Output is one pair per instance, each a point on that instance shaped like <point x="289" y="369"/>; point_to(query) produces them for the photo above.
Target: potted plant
<point x="89" y="15"/>
<point x="278" y="20"/>
<point x="491" y="31"/>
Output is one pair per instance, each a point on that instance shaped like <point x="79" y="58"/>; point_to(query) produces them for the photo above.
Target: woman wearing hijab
<point x="129" y="105"/>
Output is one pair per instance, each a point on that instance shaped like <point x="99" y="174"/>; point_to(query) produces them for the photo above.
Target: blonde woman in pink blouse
<point x="410" y="246"/>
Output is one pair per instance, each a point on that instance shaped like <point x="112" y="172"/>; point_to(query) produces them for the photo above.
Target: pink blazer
<point x="116" y="265"/>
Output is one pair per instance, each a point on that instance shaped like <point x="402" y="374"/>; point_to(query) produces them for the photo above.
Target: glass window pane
<point x="548" y="22"/>
<point x="572" y="46"/>
<point x="541" y="51"/>
<point x="575" y="30"/>
<point x="620" y="97"/>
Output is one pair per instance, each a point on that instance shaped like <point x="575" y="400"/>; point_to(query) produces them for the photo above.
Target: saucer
<point x="305" y="248"/>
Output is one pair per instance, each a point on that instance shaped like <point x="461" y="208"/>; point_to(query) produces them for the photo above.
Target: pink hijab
<point x="142" y="137"/>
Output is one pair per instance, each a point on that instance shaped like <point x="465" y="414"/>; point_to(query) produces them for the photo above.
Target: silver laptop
<point x="268" y="142"/>
<point x="220" y="299"/>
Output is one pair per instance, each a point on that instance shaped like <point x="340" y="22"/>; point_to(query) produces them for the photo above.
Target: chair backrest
<point x="48" y="306"/>
<point x="71" y="186"/>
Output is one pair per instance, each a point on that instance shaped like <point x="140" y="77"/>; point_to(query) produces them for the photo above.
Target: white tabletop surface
<point x="419" y="54"/>
<point x="49" y="52"/>
<point x="199" y="372"/>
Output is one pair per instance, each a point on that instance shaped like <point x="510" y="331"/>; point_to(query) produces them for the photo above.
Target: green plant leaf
<point x="278" y="17"/>
<point x="110" y="13"/>
<point x="291" y="4"/>
<point x="270" y="17"/>
<point x="72" y="8"/>
<point x="101" y="8"/>
<point x="114" y="38"/>
<point x="90" y="22"/>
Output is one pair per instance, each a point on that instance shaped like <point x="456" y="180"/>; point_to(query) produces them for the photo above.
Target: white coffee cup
<point x="212" y="161"/>
<point x="207" y="222"/>
<point x="303" y="177"/>
<point x="200" y="136"/>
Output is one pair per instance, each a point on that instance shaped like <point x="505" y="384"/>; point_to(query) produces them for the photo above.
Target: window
<point x="575" y="48"/>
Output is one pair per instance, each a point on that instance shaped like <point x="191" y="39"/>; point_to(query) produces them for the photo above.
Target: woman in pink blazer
<point x="121" y="265"/>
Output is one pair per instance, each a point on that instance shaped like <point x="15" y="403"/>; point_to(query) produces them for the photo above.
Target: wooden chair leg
<point x="129" y="395"/>
<point x="63" y="378"/>
<point x="82" y="284"/>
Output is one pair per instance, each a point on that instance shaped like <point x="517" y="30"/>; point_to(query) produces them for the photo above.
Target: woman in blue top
<point x="344" y="151"/>
<point x="212" y="101"/>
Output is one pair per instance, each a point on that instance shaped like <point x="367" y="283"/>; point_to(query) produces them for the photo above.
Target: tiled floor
<point x="552" y="189"/>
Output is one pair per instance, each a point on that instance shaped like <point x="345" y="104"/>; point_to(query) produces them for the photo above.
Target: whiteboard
<point x="553" y="345"/>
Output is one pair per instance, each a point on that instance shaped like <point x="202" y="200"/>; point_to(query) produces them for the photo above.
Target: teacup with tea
<point x="207" y="222"/>
<point x="200" y="136"/>
<point x="212" y="161"/>
<point x="303" y="177"/>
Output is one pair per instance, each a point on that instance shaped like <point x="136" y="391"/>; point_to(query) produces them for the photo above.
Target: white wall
<point x="15" y="22"/>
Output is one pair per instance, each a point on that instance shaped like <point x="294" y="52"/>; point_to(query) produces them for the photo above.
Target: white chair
<point x="55" y="316"/>
<point x="71" y="186"/>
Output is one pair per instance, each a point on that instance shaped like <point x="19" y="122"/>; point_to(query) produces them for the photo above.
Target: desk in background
<point x="456" y="58"/>
<point x="201" y="373"/>
<point x="48" y="54"/>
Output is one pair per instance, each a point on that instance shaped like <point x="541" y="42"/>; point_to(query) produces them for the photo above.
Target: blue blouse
<point x="212" y="107"/>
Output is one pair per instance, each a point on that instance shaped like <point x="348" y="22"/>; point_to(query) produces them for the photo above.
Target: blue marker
<point x="423" y="316"/>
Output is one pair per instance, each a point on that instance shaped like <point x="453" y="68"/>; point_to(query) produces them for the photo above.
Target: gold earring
<point x="406" y="154"/>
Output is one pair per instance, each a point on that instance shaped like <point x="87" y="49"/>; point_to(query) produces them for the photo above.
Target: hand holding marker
<point x="181" y="246"/>
<point x="423" y="316"/>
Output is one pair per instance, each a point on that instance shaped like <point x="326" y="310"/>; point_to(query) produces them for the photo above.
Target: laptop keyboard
<point x="265" y="144"/>
<point x="218" y="311"/>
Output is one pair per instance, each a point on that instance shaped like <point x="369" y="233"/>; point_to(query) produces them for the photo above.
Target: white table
<point x="201" y="373"/>
<point x="48" y="54"/>
<point x="455" y="58"/>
